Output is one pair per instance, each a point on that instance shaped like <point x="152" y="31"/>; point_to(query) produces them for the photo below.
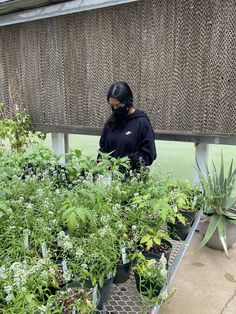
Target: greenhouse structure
<point x="58" y="59"/>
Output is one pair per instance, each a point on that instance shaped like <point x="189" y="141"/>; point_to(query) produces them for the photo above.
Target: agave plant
<point x="218" y="200"/>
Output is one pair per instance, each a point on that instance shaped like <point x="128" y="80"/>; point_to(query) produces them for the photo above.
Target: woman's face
<point x="115" y="103"/>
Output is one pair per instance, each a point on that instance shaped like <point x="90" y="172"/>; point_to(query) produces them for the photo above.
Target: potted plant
<point x="219" y="223"/>
<point x="74" y="299"/>
<point x="123" y="266"/>
<point x="154" y="243"/>
<point x="180" y="229"/>
<point x="95" y="262"/>
<point x="124" y="249"/>
<point x="178" y="225"/>
<point x="150" y="275"/>
<point x="186" y="198"/>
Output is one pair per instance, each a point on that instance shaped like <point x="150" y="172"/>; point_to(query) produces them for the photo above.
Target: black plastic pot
<point x="189" y="213"/>
<point x="157" y="256"/>
<point x="179" y="231"/>
<point x="122" y="273"/>
<point x="78" y="285"/>
<point x="146" y="286"/>
<point x="104" y="291"/>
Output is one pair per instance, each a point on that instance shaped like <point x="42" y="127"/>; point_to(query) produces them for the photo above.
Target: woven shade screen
<point x="179" y="56"/>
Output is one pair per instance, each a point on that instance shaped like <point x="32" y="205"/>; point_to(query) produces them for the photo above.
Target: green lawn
<point x="173" y="157"/>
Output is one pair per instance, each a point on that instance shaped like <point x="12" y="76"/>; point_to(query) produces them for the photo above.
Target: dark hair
<point x="123" y="93"/>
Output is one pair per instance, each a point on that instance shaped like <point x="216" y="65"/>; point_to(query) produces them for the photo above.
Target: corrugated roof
<point x="19" y="11"/>
<point x="9" y="6"/>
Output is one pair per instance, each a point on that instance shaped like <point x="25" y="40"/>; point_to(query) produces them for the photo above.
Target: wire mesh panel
<point x="177" y="55"/>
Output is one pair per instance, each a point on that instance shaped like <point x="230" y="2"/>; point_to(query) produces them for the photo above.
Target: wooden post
<point x="60" y="144"/>
<point x="201" y="158"/>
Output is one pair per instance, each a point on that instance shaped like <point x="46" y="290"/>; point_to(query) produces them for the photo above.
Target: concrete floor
<point x="205" y="282"/>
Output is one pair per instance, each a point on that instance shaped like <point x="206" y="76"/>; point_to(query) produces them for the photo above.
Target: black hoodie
<point x="132" y="137"/>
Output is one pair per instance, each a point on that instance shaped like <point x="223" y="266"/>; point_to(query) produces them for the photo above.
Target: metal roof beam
<point x="57" y="9"/>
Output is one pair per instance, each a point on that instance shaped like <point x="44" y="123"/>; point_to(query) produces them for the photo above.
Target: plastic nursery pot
<point x="157" y="251"/>
<point x="77" y="285"/>
<point x="72" y="284"/>
<point x="144" y="287"/>
<point x="179" y="231"/>
<point x="122" y="273"/>
<point x="104" y="291"/>
<point x="190" y="213"/>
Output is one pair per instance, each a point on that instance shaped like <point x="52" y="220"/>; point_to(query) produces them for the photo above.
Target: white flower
<point x="116" y="207"/>
<point x="10" y="211"/>
<point x="105" y="219"/>
<point x="23" y="289"/>
<point x="8" y="290"/>
<point x="84" y="266"/>
<point x="20" y="274"/>
<point x="67" y="245"/>
<point x="79" y="252"/>
<point x="61" y="234"/>
<point x="134" y="227"/>
<point x="44" y="274"/>
<point x="3" y="273"/>
<point x="43" y="309"/>
<point x="105" y="231"/>
<point x="64" y="241"/>
<point x="163" y="272"/>
<point x="119" y="225"/>
<point x="164" y="296"/>
<point x="151" y="263"/>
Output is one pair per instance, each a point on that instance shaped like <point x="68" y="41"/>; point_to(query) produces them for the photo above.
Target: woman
<point x="128" y="131"/>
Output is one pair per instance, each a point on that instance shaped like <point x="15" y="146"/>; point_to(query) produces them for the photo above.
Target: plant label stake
<point x="64" y="266"/>
<point x="26" y="238"/>
<point x="95" y="294"/>
<point x="44" y="250"/>
<point x="124" y="259"/>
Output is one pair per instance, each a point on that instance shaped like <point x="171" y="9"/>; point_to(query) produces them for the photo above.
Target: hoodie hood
<point x="136" y="114"/>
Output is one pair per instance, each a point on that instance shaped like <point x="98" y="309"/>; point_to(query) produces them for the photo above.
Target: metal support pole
<point x="60" y="144"/>
<point x="201" y="158"/>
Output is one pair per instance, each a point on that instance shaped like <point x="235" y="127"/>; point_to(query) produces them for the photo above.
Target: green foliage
<point x="152" y="275"/>
<point x="74" y="216"/>
<point x="86" y="223"/>
<point x="153" y="236"/>
<point x="218" y="200"/>
<point x="17" y="130"/>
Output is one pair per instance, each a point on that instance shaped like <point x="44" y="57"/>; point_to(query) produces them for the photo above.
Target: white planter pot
<point x="214" y="241"/>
